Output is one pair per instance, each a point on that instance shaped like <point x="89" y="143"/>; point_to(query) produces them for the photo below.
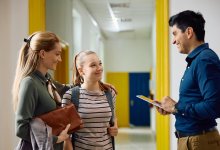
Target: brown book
<point x="59" y="118"/>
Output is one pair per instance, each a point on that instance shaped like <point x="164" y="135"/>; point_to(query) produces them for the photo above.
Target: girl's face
<point x="91" y="69"/>
<point x="51" y="58"/>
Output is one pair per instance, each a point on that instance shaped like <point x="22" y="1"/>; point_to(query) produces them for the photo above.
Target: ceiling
<point x="123" y="18"/>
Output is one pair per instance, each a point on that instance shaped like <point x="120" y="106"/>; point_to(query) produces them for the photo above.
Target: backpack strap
<point x="75" y="96"/>
<point x="75" y="101"/>
<point x="110" y="101"/>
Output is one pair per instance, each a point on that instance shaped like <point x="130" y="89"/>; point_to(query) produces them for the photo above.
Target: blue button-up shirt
<point x="199" y="93"/>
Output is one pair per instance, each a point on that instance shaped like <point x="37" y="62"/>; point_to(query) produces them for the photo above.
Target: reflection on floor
<point x="135" y="139"/>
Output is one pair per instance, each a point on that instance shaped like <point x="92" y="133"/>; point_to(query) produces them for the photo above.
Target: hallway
<point x="135" y="139"/>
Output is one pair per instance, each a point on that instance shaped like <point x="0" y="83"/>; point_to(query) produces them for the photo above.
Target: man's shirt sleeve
<point x="207" y="74"/>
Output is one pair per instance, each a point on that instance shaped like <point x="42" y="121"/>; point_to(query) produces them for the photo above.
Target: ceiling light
<point x="119" y="5"/>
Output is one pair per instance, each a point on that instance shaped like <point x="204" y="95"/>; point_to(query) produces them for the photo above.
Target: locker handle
<point x="132" y="103"/>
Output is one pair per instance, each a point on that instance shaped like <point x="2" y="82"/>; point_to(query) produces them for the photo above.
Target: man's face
<point x="180" y="39"/>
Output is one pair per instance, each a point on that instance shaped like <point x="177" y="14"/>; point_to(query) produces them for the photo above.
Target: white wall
<point x="87" y="34"/>
<point x="90" y="32"/>
<point x="153" y="75"/>
<point x="13" y="28"/>
<point x="61" y="23"/>
<point x="74" y="25"/>
<point x="210" y="11"/>
<point x="128" y="55"/>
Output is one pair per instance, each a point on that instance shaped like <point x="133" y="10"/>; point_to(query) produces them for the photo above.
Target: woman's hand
<point x="63" y="135"/>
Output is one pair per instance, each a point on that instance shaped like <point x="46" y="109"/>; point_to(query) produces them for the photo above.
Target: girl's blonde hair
<point x="78" y="61"/>
<point x="29" y="57"/>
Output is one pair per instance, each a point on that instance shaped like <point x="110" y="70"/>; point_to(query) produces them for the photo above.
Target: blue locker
<point x="139" y="109"/>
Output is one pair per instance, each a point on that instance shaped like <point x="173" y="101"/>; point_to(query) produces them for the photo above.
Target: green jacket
<point x="33" y="100"/>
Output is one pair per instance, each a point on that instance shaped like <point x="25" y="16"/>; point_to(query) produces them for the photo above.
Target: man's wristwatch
<point x="174" y="109"/>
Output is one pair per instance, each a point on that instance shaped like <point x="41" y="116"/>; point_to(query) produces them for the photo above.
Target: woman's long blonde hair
<point x="78" y="61"/>
<point x="29" y="57"/>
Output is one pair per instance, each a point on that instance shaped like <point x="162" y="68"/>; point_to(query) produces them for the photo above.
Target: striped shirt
<point x="96" y="113"/>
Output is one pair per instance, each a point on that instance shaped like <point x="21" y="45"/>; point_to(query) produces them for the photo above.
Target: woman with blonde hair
<point x="40" y="53"/>
<point x="94" y="106"/>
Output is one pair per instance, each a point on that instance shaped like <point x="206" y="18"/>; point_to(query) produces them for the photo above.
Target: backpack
<point x="75" y="101"/>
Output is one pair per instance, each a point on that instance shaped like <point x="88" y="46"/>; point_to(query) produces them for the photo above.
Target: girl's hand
<point x="113" y="131"/>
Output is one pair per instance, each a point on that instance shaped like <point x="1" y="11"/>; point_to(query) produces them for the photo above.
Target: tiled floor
<point x="135" y="139"/>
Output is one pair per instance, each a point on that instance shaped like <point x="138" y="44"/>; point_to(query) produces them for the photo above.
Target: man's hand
<point x="168" y="104"/>
<point x="160" y="110"/>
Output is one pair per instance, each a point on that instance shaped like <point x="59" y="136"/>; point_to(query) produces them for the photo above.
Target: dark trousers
<point x="206" y="141"/>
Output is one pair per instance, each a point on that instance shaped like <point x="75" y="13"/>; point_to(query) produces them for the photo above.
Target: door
<point x="139" y="109"/>
<point x="120" y="80"/>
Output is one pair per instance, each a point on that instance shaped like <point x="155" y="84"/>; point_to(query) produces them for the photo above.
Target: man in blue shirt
<point x="199" y="92"/>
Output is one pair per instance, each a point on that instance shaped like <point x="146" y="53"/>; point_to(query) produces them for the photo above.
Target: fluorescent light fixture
<point x="120" y="5"/>
<point x="94" y="22"/>
<point x="114" y="19"/>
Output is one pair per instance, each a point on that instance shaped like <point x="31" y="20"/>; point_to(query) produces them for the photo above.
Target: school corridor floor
<point x="135" y="139"/>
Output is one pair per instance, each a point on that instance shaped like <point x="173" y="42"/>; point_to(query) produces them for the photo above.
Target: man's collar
<point x="196" y="51"/>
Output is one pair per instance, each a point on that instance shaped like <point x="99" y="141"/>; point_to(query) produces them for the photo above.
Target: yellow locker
<point x="121" y="83"/>
<point x="62" y="71"/>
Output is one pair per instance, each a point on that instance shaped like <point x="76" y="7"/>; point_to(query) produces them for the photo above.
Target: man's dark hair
<point x="189" y="18"/>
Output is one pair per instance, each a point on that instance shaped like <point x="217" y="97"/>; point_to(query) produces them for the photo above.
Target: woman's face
<point x="52" y="57"/>
<point x="91" y="68"/>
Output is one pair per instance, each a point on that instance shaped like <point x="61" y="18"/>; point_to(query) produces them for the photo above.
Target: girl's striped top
<point x="95" y="112"/>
